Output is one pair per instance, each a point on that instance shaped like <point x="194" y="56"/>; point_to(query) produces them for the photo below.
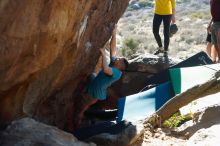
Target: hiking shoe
<point x="165" y="54"/>
<point x="158" y="51"/>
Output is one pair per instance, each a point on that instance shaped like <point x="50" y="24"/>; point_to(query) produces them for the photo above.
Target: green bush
<point x="144" y="3"/>
<point x="129" y="47"/>
<point x="176" y="120"/>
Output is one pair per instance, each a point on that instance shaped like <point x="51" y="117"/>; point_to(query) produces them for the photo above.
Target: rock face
<point x="205" y="137"/>
<point x="28" y="132"/>
<point x="125" y="136"/>
<point x="205" y="129"/>
<point x="205" y="118"/>
<point x="47" y="49"/>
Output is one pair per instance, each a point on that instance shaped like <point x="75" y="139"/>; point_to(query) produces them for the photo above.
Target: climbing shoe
<point x="158" y="51"/>
<point x="165" y="54"/>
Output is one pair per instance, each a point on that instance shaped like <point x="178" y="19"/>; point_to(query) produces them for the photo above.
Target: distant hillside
<point x="135" y="28"/>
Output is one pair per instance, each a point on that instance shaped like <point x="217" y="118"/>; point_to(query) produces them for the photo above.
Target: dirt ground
<point x="160" y="137"/>
<point x="203" y="129"/>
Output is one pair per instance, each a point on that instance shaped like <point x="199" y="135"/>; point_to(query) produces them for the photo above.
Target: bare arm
<point x="113" y="43"/>
<point x="107" y="70"/>
<point x="173" y="19"/>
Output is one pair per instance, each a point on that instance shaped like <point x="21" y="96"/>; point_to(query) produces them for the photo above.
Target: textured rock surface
<point x="205" y="118"/>
<point x="206" y="137"/>
<point x="205" y="129"/>
<point x="128" y="133"/>
<point x="28" y="132"/>
<point x="47" y="49"/>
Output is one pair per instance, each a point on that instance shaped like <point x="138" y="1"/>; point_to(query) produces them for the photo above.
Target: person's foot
<point x="165" y="54"/>
<point x="160" y="50"/>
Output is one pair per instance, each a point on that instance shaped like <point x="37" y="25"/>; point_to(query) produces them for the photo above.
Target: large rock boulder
<point x="28" y="132"/>
<point x="120" y="135"/>
<point x="203" y="119"/>
<point x="205" y="137"/>
<point x="47" y="49"/>
<point x="205" y="128"/>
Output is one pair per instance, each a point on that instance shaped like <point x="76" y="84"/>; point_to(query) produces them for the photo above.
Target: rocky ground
<point x="202" y="130"/>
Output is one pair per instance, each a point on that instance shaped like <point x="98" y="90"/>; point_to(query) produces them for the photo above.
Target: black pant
<point x="166" y="31"/>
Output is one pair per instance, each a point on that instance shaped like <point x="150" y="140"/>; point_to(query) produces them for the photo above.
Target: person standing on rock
<point x="215" y="25"/>
<point x="164" y="11"/>
<point x="97" y="88"/>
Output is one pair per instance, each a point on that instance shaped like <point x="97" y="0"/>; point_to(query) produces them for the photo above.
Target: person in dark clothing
<point x="164" y="11"/>
<point x="215" y="25"/>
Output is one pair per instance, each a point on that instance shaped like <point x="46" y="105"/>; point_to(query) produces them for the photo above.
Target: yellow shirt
<point x="164" y="7"/>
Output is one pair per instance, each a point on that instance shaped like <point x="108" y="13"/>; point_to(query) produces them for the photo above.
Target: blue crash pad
<point x="138" y="106"/>
<point x="187" y="77"/>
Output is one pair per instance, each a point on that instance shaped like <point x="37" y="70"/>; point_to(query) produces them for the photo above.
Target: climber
<point x="97" y="88"/>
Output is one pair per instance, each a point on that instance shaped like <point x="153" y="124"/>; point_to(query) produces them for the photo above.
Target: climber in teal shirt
<point x="97" y="88"/>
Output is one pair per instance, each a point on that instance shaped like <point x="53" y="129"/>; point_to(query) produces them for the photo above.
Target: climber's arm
<point x="107" y="70"/>
<point x="173" y="18"/>
<point x="113" y="43"/>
